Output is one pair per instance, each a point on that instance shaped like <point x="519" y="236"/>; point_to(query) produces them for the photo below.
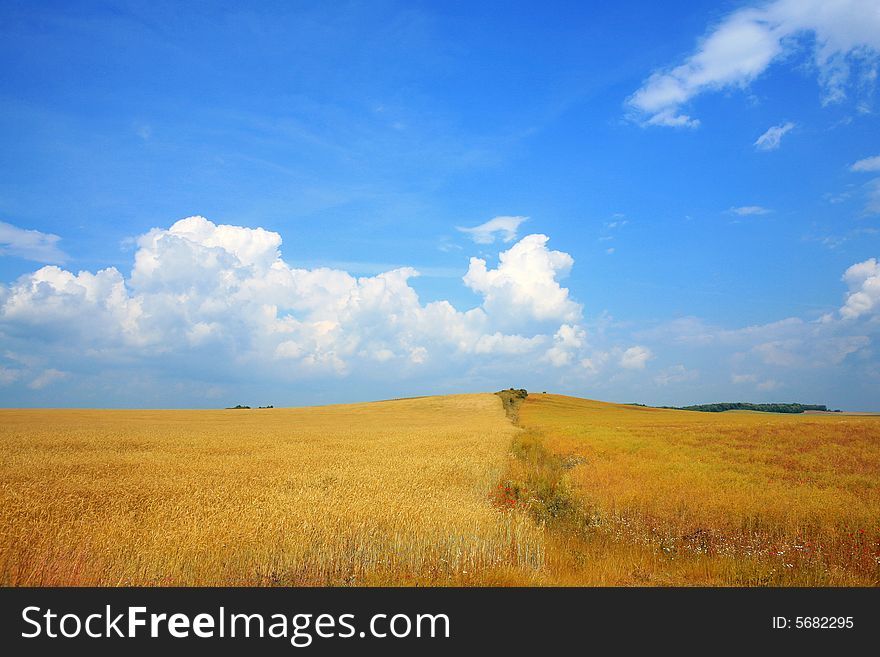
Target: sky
<point x="208" y="204"/>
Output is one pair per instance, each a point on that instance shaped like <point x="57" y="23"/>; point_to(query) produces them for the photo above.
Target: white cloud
<point x="498" y="343"/>
<point x="760" y="352"/>
<point x="749" y="210"/>
<point x="764" y="386"/>
<point x="221" y="297"/>
<point x="525" y="284"/>
<point x="783" y="353"/>
<point x="635" y="358"/>
<point x="46" y="378"/>
<point x="143" y="130"/>
<point x="8" y="375"/>
<point x="872" y="187"/>
<point x="90" y="308"/>
<point x="772" y="138"/>
<point x="594" y="363"/>
<point x="503" y="227"/>
<point x="866" y="164"/>
<point x="863" y="279"/>
<point x="212" y="308"/>
<point x="30" y="244"/>
<point x="566" y="341"/>
<point x="805" y="345"/>
<point x="845" y="34"/>
<point x="676" y="374"/>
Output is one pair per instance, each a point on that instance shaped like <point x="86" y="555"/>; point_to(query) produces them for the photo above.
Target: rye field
<point x="469" y="490"/>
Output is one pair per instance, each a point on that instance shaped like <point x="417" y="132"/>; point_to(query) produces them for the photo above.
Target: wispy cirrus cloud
<point x="503" y="228"/>
<point x="866" y="164"/>
<point x="772" y="137"/>
<point x="47" y="378"/>
<point x="749" y="210"/>
<point x="30" y="244"/>
<point x="872" y="187"/>
<point x="844" y="34"/>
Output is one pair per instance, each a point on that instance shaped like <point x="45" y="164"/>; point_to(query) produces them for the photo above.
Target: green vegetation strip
<point x="539" y="485"/>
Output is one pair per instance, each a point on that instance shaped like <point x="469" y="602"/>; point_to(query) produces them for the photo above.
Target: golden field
<point x="389" y="493"/>
<point x="439" y="491"/>
<point x="735" y="498"/>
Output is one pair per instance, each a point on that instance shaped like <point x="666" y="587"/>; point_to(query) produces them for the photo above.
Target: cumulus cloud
<point x="221" y="298"/>
<point x="208" y="308"/>
<point x="503" y="228"/>
<point x="30" y="244"/>
<point x="772" y="138"/>
<point x="863" y="279"/>
<point x="594" y="363"/>
<point x="566" y="342"/>
<point x="842" y="34"/>
<point x="866" y="164"/>
<point x="525" y="285"/>
<point x="91" y="308"/>
<point x="749" y="210"/>
<point x="803" y="356"/>
<point x="635" y="358"/>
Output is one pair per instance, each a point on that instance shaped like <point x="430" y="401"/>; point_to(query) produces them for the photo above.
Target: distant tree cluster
<point x="511" y="399"/>
<point x="746" y="406"/>
<point x="518" y="393"/>
<point x="241" y="406"/>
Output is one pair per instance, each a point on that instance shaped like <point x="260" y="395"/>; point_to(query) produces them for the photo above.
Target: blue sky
<point x="702" y="172"/>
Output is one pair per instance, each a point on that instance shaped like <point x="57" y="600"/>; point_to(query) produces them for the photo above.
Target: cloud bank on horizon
<point x="222" y="297"/>
<point x="216" y="307"/>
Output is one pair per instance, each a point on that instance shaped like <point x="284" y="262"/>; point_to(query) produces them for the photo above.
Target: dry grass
<point x="387" y="493"/>
<point x="678" y="497"/>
